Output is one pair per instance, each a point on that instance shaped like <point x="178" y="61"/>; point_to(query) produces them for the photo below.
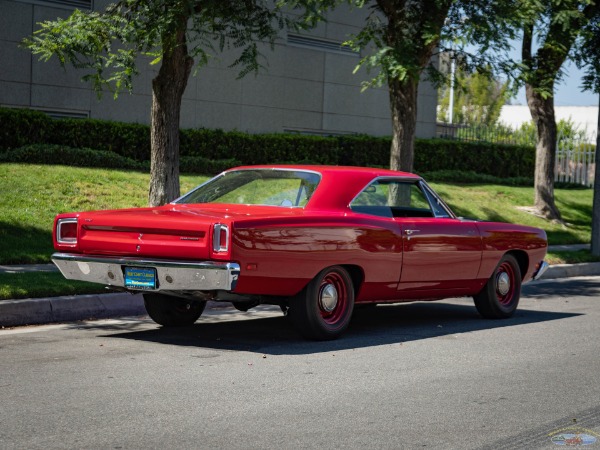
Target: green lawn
<point x="33" y="194"/>
<point x="43" y="284"/>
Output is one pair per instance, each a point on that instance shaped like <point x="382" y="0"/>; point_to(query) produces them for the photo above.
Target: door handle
<point x="410" y="232"/>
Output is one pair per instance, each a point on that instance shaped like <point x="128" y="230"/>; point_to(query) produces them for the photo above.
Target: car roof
<point x="339" y="184"/>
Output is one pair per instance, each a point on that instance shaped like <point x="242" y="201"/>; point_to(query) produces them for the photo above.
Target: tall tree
<point x="478" y="98"/>
<point x="406" y="34"/>
<point x="557" y="24"/>
<point x="587" y="57"/>
<point x="177" y="34"/>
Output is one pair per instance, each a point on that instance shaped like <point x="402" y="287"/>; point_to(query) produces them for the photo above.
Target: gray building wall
<point x="304" y="89"/>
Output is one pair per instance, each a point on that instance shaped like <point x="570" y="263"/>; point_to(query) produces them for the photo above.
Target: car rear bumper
<point x="170" y="275"/>
<point x="542" y="267"/>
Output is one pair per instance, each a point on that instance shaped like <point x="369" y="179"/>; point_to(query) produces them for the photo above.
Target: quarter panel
<point x="501" y="238"/>
<point x="280" y="259"/>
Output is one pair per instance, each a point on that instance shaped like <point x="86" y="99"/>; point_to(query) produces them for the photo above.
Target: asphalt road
<point x="406" y="376"/>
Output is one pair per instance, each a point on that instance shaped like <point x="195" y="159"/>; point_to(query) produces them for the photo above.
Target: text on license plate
<point x="140" y="278"/>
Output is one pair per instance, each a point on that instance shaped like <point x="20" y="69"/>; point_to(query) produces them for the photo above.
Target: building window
<point x="325" y="45"/>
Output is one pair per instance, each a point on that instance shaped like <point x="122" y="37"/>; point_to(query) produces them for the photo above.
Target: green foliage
<point x="22" y="126"/>
<point x="68" y="156"/>
<point x="505" y="161"/>
<point x="472" y="177"/>
<point x="586" y="55"/>
<point x="111" y="44"/>
<point x="211" y="151"/>
<point x="399" y="38"/>
<point x="198" y="164"/>
<point x="478" y="99"/>
<point x="559" y="30"/>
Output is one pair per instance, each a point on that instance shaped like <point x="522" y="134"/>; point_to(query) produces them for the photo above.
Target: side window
<point x="438" y="207"/>
<point x="391" y="198"/>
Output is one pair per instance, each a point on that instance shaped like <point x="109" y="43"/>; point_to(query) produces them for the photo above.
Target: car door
<point x="439" y="250"/>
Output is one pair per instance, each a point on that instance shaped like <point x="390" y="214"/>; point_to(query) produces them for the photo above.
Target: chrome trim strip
<point x="219" y="246"/>
<point x="171" y="275"/>
<point x="538" y="274"/>
<point x="59" y="224"/>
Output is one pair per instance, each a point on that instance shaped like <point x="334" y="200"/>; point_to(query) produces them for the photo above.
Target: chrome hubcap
<point x="329" y="298"/>
<point x="503" y="283"/>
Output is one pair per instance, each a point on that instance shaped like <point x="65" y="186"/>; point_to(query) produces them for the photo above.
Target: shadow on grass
<point x="24" y="244"/>
<point x="383" y="325"/>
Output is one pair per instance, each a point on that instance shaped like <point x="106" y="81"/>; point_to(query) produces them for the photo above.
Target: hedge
<point x="199" y="147"/>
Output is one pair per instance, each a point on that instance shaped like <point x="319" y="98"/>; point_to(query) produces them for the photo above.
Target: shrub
<point x="470" y="177"/>
<point x="204" y="166"/>
<point x="68" y="156"/>
<point x="218" y="149"/>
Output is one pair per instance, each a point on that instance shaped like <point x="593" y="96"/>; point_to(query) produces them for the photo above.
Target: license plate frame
<point x="140" y="278"/>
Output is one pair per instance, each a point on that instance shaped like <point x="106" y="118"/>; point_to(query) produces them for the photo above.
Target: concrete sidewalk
<point x="81" y="307"/>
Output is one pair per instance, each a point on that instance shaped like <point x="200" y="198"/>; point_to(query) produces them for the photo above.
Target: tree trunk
<point x="542" y="112"/>
<point x="167" y="92"/>
<point x="596" y="203"/>
<point x="403" y="104"/>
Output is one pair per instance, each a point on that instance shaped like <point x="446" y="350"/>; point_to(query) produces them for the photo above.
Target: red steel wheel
<point x="322" y="311"/>
<point x="500" y="296"/>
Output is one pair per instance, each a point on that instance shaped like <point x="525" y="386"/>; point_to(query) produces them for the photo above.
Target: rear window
<point x="273" y="187"/>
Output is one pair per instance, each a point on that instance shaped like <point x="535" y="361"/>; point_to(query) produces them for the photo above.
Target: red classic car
<point x="315" y="240"/>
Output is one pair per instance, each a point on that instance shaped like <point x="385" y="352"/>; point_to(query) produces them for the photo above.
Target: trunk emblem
<point x="141" y="236"/>
<point x="138" y="248"/>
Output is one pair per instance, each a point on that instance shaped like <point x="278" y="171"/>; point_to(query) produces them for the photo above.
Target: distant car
<point x="315" y="240"/>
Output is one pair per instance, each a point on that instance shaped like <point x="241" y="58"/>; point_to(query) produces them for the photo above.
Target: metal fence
<point x="575" y="157"/>
<point x="575" y="162"/>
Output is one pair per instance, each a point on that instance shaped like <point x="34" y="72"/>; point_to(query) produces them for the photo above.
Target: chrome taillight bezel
<point x="59" y="225"/>
<point x="218" y="245"/>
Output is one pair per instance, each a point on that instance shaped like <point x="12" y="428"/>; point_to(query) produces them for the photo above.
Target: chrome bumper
<point x="170" y="275"/>
<point x="538" y="273"/>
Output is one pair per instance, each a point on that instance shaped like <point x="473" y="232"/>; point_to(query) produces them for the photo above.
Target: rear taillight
<point x="220" y="238"/>
<point x="66" y="231"/>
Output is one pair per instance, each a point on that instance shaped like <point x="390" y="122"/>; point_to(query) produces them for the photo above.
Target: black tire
<point x="322" y="311"/>
<point x="500" y="296"/>
<point x="171" y="311"/>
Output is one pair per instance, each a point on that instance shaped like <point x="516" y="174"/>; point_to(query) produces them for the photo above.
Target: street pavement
<point x="421" y="375"/>
<point x="81" y="307"/>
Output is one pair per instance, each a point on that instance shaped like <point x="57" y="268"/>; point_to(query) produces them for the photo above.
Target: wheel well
<point x="357" y="275"/>
<point x="522" y="259"/>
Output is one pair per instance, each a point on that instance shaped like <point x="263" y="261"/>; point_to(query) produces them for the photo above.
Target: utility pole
<point x="596" y="204"/>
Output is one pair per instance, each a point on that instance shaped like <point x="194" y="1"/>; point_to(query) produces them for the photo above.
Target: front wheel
<point x="500" y="296"/>
<point x="322" y="311"/>
<point x="172" y="311"/>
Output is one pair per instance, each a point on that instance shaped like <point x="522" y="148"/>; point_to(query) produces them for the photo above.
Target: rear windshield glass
<point x="274" y="187"/>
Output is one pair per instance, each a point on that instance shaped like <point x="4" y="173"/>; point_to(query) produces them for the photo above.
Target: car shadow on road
<point x="381" y="325"/>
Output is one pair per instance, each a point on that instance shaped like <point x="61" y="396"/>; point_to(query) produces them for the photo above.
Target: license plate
<point x="140" y="278"/>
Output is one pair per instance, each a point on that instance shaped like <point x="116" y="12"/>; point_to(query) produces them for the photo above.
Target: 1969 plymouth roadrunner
<point x="315" y="240"/>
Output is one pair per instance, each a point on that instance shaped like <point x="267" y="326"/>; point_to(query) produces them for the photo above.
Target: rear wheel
<point x="172" y="311"/>
<point x="500" y="296"/>
<point x="322" y="311"/>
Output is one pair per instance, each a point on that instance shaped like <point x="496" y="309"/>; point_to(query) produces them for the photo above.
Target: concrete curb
<point x="69" y="308"/>
<point x="572" y="270"/>
<point x="99" y="306"/>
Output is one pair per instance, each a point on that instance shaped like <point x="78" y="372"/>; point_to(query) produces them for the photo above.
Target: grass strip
<point x="43" y="284"/>
<point x="34" y="194"/>
<point x="571" y="257"/>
